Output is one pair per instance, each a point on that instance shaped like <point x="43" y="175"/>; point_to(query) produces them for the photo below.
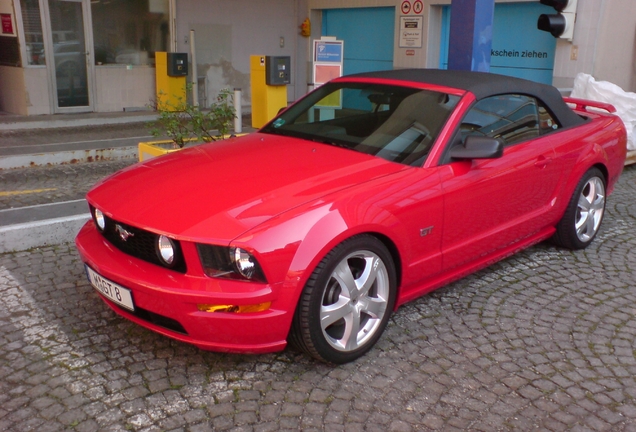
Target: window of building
<point x="513" y="118"/>
<point x="34" y="39"/>
<point x="129" y="31"/>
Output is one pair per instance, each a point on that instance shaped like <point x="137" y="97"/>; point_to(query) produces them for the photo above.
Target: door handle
<point x="543" y="162"/>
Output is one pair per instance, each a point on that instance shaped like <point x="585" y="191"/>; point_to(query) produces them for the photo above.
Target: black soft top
<point x="483" y="85"/>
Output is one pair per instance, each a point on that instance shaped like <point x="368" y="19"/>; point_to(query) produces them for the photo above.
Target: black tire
<point x="328" y="298"/>
<point x="584" y="214"/>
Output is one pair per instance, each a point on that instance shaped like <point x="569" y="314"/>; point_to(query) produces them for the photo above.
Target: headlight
<point x="230" y="263"/>
<point x="165" y="250"/>
<point x="99" y="219"/>
<point x="245" y="263"/>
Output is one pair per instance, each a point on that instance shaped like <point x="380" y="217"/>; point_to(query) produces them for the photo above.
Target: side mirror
<point x="478" y="147"/>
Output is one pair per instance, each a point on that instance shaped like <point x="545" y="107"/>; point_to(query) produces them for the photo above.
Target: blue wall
<point x="368" y="35"/>
<point x="519" y="49"/>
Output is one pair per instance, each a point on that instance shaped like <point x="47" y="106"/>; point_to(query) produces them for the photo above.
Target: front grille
<point x="140" y="244"/>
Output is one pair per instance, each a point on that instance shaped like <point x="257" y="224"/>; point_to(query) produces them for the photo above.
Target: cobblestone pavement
<point x="23" y="187"/>
<point x="544" y="340"/>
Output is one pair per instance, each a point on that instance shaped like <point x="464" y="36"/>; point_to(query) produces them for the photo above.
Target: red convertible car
<point x="371" y="191"/>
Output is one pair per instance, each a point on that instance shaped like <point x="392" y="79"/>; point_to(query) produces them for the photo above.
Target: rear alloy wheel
<point x="347" y="301"/>
<point x="584" y="214"/>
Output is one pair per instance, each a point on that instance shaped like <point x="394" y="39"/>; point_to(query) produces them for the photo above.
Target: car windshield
<point x="399" y="124"/>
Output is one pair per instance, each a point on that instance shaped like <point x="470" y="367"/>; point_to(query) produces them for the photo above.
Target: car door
<point x="490" y="204"/>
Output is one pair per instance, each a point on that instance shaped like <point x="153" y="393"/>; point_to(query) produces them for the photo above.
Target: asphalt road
<point x="544" y="340"/>
<point x="22" y="187"/>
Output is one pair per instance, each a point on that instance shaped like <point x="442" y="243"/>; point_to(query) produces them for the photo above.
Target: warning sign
<point x="406" y="7"/>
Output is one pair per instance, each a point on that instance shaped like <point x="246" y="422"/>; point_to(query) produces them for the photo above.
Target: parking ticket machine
<point x="269" y="76"/>
<point x="171" y="71"/>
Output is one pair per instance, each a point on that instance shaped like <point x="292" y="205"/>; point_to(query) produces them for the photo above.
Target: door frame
<point x="50" y="63"/>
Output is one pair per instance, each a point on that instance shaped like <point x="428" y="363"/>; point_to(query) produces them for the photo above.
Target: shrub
<point x="183" y="122"/>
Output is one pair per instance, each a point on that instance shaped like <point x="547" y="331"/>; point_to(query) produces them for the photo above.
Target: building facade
<point x="63" y="56"/>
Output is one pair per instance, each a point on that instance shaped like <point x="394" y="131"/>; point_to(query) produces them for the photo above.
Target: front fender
<point x="291" y="245"/>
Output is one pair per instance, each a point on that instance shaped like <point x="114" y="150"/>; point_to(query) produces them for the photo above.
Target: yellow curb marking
<point x="24" y="192"/>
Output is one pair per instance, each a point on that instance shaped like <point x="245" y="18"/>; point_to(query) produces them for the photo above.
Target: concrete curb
<point x="67" y="157"/>
<point x="20" y="237"/>
<point x="60" y="123"/>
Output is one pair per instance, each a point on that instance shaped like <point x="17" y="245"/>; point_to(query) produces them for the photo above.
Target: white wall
<point x="228" y="32"/>
<point x="24" y="91"/>
<point x="13" y="90"/>
<point x="604" y="44"/>
<point x="37" y="90"/>
<point x="615" y="59"/>
<point x="118" y="87"/>
<point x="578" y="55"/>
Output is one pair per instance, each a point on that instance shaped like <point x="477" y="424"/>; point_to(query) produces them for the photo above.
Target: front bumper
<point x="166" y="301"/>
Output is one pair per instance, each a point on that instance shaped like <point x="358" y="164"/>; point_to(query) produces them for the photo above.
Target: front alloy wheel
<point x="347" y="301"/>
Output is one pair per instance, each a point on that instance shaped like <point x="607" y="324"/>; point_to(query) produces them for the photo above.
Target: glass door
<point x="70" y="59"/>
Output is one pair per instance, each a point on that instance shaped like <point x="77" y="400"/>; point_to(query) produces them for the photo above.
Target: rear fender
<point x="596" y="156"/>
<point x="605" y="147"/>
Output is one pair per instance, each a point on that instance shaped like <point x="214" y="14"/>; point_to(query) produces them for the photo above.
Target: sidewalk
<point x="14" y="122"/>
<point x="27" y="141"/>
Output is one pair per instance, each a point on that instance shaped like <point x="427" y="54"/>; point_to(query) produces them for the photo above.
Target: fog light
<point x="100" y="220"/>
<point x="165" y="249"/>
<point x="234" y="308"/>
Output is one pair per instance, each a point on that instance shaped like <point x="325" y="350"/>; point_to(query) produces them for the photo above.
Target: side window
<point x="513" y="118"/>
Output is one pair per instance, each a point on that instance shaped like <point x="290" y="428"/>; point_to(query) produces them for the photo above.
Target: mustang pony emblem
<point x="123" y="233"/>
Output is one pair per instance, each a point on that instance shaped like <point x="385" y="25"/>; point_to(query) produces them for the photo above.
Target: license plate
<point x="117" y="293"/>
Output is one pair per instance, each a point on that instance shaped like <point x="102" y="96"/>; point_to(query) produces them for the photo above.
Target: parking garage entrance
<point x="368" y="35"/>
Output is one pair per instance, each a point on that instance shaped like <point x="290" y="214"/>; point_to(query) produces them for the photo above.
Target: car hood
<point x="215" y="192"/>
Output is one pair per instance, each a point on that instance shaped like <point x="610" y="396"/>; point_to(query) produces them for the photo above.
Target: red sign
<point x="406" y="7"/>
<point x="418" y="7"/>
<point x="410" y="52"/>
<point x="7" y="24"/>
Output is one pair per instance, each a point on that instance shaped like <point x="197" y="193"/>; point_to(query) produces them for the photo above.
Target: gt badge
<point x="426" y="231"/>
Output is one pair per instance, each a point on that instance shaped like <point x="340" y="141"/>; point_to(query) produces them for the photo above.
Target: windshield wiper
<point x="324" y="140"/>
<point x="314" y="138"/>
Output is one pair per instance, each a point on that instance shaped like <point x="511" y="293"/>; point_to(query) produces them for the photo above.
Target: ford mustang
<point x="371" y="191"/>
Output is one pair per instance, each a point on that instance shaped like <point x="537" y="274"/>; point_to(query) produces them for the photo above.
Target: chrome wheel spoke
<point x="332" y="313"/>
<point x="350" y="339"/>
<point x="374" y="307"/>
<point x="368" y="277"/>
<point x="345" y="278"/>
<point x="584" y="203"/>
